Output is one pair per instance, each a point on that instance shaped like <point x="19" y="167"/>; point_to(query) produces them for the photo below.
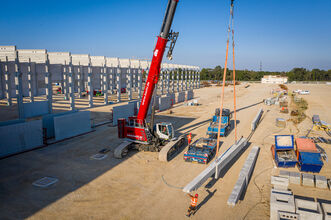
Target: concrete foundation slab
<point x="308" y="179"/>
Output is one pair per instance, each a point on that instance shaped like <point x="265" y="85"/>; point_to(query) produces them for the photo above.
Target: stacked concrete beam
<point x="256" y="120"/>
<point x="244" y="176"/>
<point x="216" y="166"/>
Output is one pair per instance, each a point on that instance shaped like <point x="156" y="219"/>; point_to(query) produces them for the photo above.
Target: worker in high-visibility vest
<point x="193" y="205"/>
<point x="189" y="138"/>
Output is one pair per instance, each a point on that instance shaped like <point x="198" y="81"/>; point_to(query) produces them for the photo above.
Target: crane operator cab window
<point x="163" y="129"/>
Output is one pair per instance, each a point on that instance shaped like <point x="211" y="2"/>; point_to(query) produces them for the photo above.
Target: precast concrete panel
<point x="19" y="137"/>
<point x="97" y="61"/>
<point x="189" y="94"/>
<point x="33" y="109"/>
<point x="125" y="63"/>
<point x="135" y="63"/>
<point x="36" y="56"/>
<point x="48" y="122"/>
<point x="164" y="103"/>
<point x="123" y="111"/>
<point x="71" y="125"/>
<point x="9" y="52"/>
<point x="59" y="57"/>
<point x="112" y="61"/>
<point x="80" y="59"/>
<point x="180" y="97"/>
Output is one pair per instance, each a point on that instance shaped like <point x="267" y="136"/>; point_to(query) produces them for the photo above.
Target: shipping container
<point x="284" y="158"/>
<point x="305" y="145"/>
<point x="310" y="162"/>
<point x="284" y="142"/>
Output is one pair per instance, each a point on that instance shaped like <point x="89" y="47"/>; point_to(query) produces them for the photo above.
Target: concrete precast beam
<point x="221" y="162"/>
<point x="256" y="119"/>
<point x="244" y="176"/>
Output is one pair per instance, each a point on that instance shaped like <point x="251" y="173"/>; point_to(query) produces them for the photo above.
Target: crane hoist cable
<point x="230" y="29"/>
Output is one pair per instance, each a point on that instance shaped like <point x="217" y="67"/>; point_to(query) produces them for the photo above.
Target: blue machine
<point x="201" y="151"/>
<point x="225" y="123"/>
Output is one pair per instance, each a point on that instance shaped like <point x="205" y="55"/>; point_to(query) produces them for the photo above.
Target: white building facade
<point x="274" y="79"/>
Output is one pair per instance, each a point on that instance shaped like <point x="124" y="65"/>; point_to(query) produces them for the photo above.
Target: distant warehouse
<point x="274" y="79"/>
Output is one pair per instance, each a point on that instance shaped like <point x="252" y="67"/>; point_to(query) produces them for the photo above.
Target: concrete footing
<point x="308" y="179"/>
<point x="281" y="202"/>
<point x="280" y="182"/>
<point x="321" y="182"/>
<point x="308" y="209"/>
<point x="295" y="178"/>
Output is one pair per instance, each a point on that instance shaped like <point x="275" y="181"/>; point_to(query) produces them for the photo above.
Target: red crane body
<point x="136" y="127"/>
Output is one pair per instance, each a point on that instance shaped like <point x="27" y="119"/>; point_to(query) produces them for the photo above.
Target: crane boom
<point x="154" y="70"/>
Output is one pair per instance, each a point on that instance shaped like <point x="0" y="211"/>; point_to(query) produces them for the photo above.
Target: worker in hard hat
<point x="193" y="205"/>
<point x="189" y="138"/>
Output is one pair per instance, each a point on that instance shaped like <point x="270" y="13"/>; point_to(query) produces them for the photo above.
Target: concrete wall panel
<point x="73" y="124"/>
<point x="164" y="103"/>
<point x="19" y="137"/>
<point x="123" y="111"/>
<point x="33" y="109"/>
<point x="180" y="97"/>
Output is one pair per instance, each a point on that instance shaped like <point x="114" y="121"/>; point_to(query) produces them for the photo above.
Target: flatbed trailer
<point x="201" y="151"/>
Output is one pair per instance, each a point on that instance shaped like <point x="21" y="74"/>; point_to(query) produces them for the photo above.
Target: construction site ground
<point x="139" y="186"/>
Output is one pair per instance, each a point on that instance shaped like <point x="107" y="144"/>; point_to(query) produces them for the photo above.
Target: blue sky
<point x="281" y="33"/>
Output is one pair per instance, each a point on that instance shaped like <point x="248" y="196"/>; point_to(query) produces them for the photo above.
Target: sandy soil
<point x="141" y="187"/>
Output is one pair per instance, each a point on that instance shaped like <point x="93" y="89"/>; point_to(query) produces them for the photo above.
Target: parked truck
<point x="201" y="151"/>
<point x="225" y="123"/>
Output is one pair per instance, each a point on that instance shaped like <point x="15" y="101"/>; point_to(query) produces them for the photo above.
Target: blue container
<point x="284" y="145"/>
<point x="285" y="158"/>
<point x="310" y="162"/>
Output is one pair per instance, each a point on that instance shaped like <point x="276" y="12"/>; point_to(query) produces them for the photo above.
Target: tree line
<point x="296" y="74"/>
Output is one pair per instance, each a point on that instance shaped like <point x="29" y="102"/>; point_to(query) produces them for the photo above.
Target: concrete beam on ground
<point x="221" y="162"/>
<point x="256" y="120"/>
<point x="244" y="176"/>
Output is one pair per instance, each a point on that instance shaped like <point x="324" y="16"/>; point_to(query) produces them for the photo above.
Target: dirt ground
<point x="141" y="187"/>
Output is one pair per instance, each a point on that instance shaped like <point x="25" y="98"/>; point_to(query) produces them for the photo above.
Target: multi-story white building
<point x="274" y="79"/>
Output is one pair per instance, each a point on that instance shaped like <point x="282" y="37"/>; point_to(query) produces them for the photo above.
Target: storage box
<point x="310" y="162"/>
<point x="284" y="142"/>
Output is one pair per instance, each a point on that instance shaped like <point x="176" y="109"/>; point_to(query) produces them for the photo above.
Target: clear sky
<point x="282" y="34"/>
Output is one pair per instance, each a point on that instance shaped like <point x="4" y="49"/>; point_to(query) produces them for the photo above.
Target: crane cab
<point x="164" y="130"/>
